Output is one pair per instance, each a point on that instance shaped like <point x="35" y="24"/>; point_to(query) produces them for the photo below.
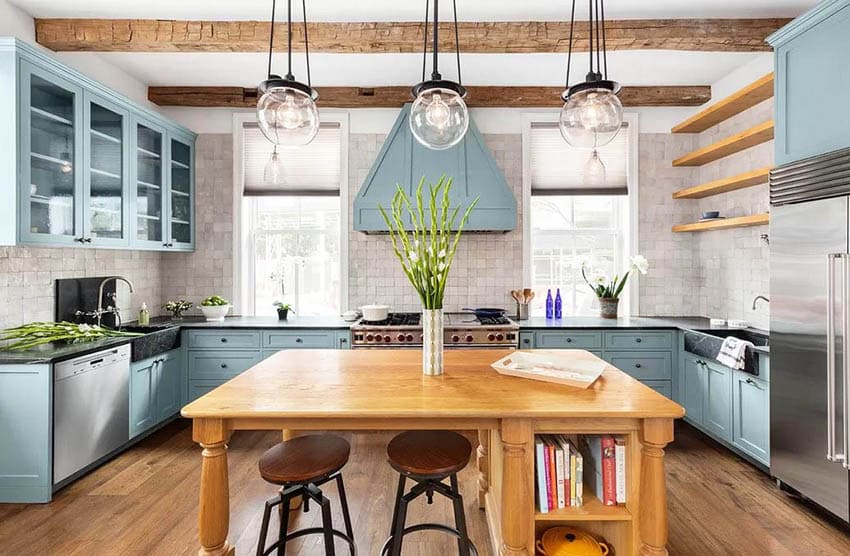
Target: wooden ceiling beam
<point x="154" y="35"/>
<point x="388" y="97"/>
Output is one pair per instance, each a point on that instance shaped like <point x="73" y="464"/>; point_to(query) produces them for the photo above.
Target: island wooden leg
<point x="517" y="506"/>
<point x="214" y="507"/>
<point x="483" y="466"/>
<point x="656" y="434"/>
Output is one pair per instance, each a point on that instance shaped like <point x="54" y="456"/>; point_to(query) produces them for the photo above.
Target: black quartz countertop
<point x="294" y="321"/>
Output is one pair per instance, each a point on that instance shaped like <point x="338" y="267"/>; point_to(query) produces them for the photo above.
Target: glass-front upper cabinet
<point x="51" y="158"/>
<point x="106" y="217"/>
<point x="180" y="204"/>
<point x="149" y="186"/>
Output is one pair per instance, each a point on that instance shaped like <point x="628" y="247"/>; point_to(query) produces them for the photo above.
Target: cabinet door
<point x="718" y="401"/>
<point x="51" y="152"/>
<point x="343" y="339"/>
<point x="148" y="185"/>
<point x="143" y="395"/>
<point x="694" y="381"/>
<point x="106" y="219"/>
<point x="181" y="213"/>
<point x="751" y="416"/>
<point x="168" y="386"/>
<point x="526" y="340"/>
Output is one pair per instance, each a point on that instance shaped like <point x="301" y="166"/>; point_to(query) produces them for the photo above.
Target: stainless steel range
<point x="462" y="330"/>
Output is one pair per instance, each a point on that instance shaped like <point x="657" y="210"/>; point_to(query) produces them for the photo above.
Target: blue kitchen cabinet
<point x="810" y="70"/>
<point x="526" y="340"/>
<point x="343" y="339"/>
<point x="156" y="390"/>
<point x="694" y="383"/>
<point x="751" y="416"/>
<point x="169" y="384"/>
<point x="717" y="416"/>
<point x="25" y="433"/>
<point x="78" y="166"/>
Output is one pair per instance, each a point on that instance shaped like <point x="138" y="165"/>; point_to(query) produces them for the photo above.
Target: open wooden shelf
<point x="735" y="103"/>
<point x="736" y="143"/>
<point x="724" y="185"/>
<point x="724" y="223"/>
<point x="591" y="510"/>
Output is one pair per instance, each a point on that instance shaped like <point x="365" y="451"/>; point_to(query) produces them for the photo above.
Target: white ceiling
<point x="410" y="10"/>
<point x="247" y="69"/>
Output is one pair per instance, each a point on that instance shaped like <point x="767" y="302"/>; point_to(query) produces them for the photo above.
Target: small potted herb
<point x="283" y="309"/>
<point x="215" y="308"/>
<point x="177" y="308"/>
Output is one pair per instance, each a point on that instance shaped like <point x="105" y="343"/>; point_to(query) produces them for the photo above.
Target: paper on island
<point x="571" y="367"/>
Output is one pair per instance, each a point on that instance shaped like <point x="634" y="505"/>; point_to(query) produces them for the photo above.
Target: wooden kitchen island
<point x="385" y="390"/>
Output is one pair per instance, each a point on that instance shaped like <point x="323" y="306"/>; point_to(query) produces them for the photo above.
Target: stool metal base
<point x="307" y="492"/>
<point x="428" y="486"/>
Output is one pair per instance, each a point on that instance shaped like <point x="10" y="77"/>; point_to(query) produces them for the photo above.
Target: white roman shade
<point x="314" y="169"/>
<point x="557" y="168"/>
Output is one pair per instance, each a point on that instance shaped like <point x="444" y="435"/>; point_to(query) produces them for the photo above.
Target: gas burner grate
<point x="396" y="319"/>
<point x="494" y="321"/>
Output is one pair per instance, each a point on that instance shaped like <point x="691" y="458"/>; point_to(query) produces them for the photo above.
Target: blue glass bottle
<point x="550" y="305"/>
<point x="558" y="304"/>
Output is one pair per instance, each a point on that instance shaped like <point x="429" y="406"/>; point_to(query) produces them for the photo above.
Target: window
<point x="293" y="232"/>
<point x="571" y="223"/>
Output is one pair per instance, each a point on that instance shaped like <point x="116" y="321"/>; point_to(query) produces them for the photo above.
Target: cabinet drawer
<point x="294" y="339"/>
<point x="198" y="388"/>
<point x="220" y="364"/>
<point x="568" y="339"/>
<point x="663" y="387"/>
<point x="639" y="340"/>
<point x="647" y="365"/>
<point x="223" y="339"/>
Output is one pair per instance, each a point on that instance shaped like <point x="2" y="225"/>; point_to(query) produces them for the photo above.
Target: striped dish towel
<point x="733" y="352"/>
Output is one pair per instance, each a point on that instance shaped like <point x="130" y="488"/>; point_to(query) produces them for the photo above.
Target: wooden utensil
<point x="527" y="294"/>
<point x="516" y="295"/>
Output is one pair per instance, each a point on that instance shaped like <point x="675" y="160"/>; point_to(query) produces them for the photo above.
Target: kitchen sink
<point x="758" y="339"/>
<point x="158" y="338"/>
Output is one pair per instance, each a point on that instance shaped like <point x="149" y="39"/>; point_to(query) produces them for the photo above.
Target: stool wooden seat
<point x="304" y="459"/>
<point x="429" y="454"/>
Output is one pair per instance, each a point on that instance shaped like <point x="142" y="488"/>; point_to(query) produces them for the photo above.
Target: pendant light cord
<point x="271" y="41"/>
<point x="604" y="42"/>
<point x="425" y="41"/>
<point x="435" y="73"/>
<point x="457" y="43"/>
<point x="590" y="32"/>
<point x="289" y="39"/>
<point x="570" y="46"/>
<point x="306" y="44"/>
<point x="598" y="47"/>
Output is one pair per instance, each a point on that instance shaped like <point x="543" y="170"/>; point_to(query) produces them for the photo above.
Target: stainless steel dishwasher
<point x="91" y="409"/>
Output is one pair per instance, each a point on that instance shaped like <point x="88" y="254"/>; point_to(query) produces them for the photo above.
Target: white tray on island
<point x="560" y="367"/>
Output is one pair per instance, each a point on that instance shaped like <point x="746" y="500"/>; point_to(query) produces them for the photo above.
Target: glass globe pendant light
<point x="592" y="114"/>
<point x="439" y="116"/>
<point x="286" y="111"/>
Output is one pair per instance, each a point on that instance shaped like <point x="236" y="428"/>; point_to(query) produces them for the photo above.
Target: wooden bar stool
<point x="428" y="458"/>
<point x="300" y="466"/>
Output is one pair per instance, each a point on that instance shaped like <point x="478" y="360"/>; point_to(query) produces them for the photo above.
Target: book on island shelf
<point x="566" y="465"/>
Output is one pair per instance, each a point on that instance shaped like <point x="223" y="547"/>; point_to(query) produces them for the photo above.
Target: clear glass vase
<point x="432" y="342"/>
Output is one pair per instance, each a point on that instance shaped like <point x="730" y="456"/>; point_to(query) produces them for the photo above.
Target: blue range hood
<point x="403" y="161"/>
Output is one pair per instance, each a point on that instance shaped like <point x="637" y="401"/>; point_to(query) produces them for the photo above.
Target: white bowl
<point x="215" y="313"/>
<point x="375" y="313"/>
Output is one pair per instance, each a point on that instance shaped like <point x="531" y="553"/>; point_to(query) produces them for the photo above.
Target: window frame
<point x="243" y="303"/>
<point x="631" y="228"/>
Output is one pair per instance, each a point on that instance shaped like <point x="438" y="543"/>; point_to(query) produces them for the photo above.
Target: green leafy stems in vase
<point x="425" y="232"/>
<point x="608" y="290"/>
<point x="283" y="309"/>
<point x="177" y="308"/>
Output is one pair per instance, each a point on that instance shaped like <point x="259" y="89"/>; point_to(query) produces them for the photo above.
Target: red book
<point x="547" y="456"/>
<point x="609" y="471"/>
<point x="553" y="474"/>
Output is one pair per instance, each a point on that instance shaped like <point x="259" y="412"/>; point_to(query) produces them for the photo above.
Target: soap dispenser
<point x="144" y="315"/>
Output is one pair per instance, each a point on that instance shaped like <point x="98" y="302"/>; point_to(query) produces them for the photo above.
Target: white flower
<point x="442" y="254"/>
<point x="597" y="276"/>
<point x="412" y="256"/>
<point x="640" y="264"/>
<point x="84" y="328"/>
<point x="441" y="267"/>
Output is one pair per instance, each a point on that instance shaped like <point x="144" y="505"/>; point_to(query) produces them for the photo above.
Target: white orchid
<point x="606" y="288"/>
<point x="640" y="264"/>
<point x="441" y="254"/>
<point x="412" y="256"/>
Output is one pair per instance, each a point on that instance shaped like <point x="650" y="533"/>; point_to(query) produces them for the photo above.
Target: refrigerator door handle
<point x="831" y="454"/>
<point x="845" y="351"/>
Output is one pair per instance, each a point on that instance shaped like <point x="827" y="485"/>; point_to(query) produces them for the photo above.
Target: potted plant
<point x="283" y="309"/>
<point x="177" y="308"/>
<point x="215" y="308"/>
<point x="608" y="290"/>
<point x="421" y="234"/>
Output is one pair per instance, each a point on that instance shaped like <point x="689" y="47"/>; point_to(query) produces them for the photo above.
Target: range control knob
<point x="469" y="338"/>
<point x="409" y="337"/>
<point x="400" y="337"/>
<point x="387" y="339"/>
<point x="491" y="337"/>
<point x="455" y="338"/>
<point x="369" y="337"/>
<point x="499" y="337"/>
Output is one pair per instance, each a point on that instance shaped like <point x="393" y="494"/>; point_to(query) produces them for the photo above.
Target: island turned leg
<point x="483" y="466"/>
<point x="214" y="505"/>
<point x="517" y="488"/>
<point x="656" y="434"/>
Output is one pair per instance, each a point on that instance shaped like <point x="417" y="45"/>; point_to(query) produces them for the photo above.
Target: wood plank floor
<point x="145" y="502"/>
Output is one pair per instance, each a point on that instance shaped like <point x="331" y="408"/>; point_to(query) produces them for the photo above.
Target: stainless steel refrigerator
<point x="810" y="328"/>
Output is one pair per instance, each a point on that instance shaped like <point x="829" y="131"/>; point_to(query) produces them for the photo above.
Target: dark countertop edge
<point x="59" y="354"/>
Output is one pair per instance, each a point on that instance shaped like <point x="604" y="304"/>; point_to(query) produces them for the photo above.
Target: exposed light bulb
<point x="594" y="170"/>
<point x="438" y="113"/>
<point x="274" y="168"/>
<point x="66" y="167"/>
<point x="289" y="115"/>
